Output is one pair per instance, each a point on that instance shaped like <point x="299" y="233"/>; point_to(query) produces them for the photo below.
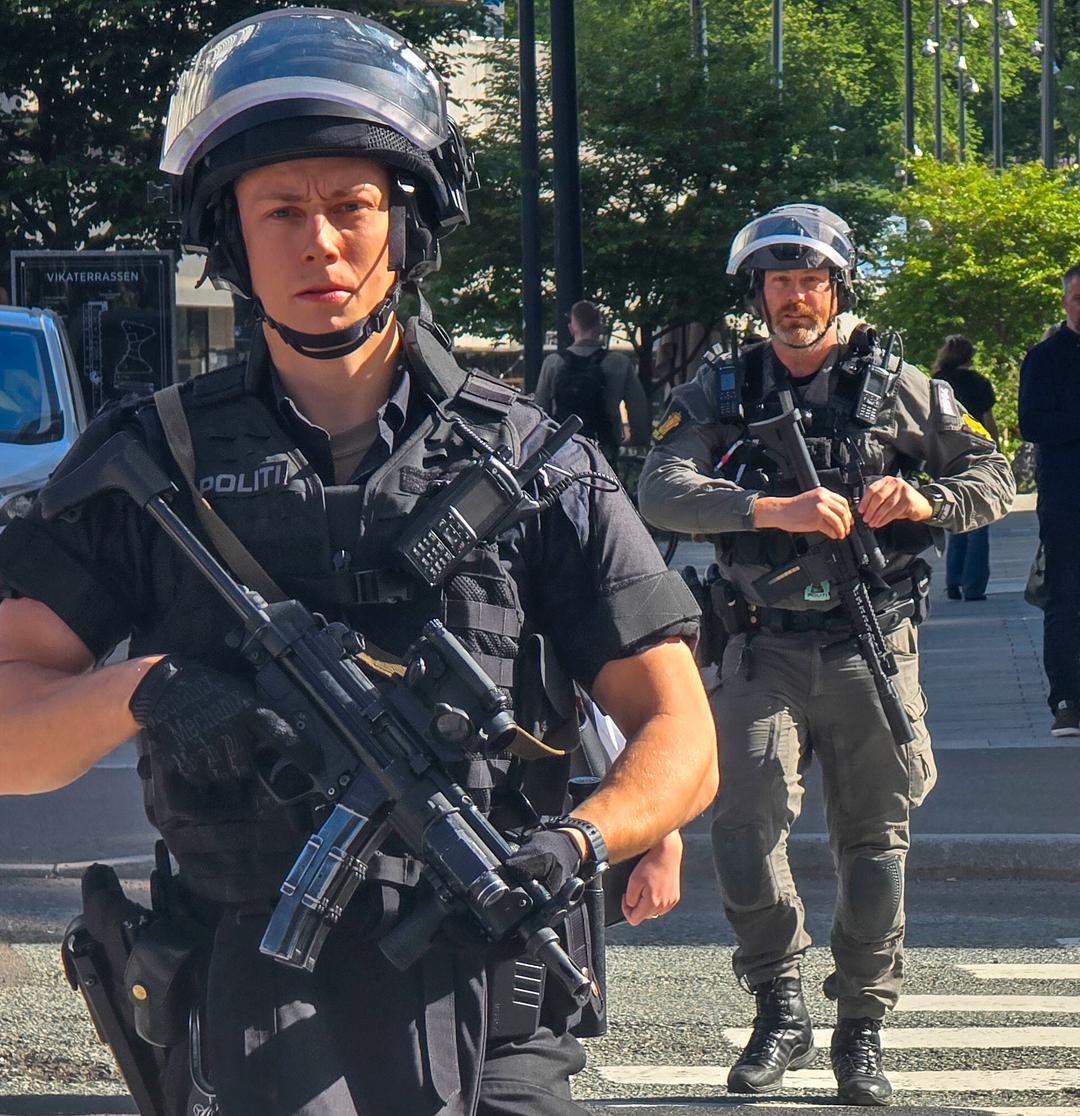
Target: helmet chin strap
<point x="339" y="342"/>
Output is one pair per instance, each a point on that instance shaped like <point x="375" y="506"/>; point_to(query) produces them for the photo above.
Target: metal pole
<point x="960" y="78"/>
<point x="939" y="144"/>
<point x="568" y="255"/>
<point x="1048" y="83"/>
<point x="995" y="46"/>
<point x="778" y="42"/>
<point x="909" y="81"/>
<point x="699" y="33"/>
<point x="532" y="307"/>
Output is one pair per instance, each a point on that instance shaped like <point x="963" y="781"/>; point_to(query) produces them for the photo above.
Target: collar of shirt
<point x="262" y="379"/>
<point x="1066" y="335"/>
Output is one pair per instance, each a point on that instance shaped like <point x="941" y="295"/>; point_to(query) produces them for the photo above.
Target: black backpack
<point x="581" y="389"/>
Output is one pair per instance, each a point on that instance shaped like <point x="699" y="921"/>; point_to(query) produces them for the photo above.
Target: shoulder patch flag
<point x="668" y="425"/>
<point x="976" y="427"/>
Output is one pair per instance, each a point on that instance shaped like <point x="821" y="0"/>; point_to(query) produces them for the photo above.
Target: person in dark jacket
<point x="967" y="560"/>
<point x="1050" y="417"/>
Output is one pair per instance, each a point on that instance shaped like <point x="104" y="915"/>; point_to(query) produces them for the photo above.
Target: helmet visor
<point x="776" y="242"/>
<point x="345" y="64"/>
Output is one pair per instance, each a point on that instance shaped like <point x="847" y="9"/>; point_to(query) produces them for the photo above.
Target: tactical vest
<point x="828" y="431"/>
<point x="331" y="547"/>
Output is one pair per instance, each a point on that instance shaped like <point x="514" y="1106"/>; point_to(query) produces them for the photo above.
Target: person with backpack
<point x="588" y="380"/>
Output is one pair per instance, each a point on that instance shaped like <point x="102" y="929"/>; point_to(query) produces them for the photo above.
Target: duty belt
<point x="833" y="622"/>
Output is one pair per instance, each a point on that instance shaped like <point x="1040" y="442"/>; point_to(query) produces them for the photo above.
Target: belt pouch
<point x="159" y="979"/>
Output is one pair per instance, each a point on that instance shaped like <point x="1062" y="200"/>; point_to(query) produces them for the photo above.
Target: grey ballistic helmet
<point x="792" y="237"/>
<point x="302" y="82"/>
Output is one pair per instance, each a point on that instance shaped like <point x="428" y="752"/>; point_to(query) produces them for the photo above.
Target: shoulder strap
<point x="238" y="558"/>
<point x="429" y="356"/>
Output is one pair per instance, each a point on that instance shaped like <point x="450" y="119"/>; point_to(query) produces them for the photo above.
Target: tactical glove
<point x="550" y="856"/>
<point x="207" y="724"/>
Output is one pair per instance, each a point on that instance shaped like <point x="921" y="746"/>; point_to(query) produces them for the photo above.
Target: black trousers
<point x="359" y="1038"/>
<point x="1061" y="623"/>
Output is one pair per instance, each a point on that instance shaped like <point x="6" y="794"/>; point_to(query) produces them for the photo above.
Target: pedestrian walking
<point x="317" y="169"/>
<point x="793" y="680"/>
<point x="1049" y="412"/>
<point x="967" y="555"/>
<point x="595" y="383"/>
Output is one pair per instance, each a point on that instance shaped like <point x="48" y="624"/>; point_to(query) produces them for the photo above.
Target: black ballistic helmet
<point x="791" y="237"/>
<point x="302" y="82"/>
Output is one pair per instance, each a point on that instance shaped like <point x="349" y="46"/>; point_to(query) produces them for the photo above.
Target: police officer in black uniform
<point x="317" y="170"/>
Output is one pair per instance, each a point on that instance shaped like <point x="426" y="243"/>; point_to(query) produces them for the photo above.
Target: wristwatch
<point x="597" y="857"/>
<point x="937" y="503"/>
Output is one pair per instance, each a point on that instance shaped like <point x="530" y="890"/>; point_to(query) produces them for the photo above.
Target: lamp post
<point x="532" y="307"/>
<point x="778" y="43"/>
<point x="909" y="82"/>
<point x="995" y="58"/>
<point x="564" y="119"/>
<point x="931" y="48"/>
<point x="699" y="33"/>
<point x="939" y="148"/>
<point x="961" y="80"/>
<point x="1047" y="86"/>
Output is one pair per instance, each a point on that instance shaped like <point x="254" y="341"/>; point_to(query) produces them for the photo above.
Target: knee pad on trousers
<point x="743" y="867"/>
<point x="871" y="895"/>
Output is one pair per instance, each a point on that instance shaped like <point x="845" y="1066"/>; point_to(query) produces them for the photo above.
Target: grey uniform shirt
<point x="923" y="428"/>
<point x="621" y="382"/>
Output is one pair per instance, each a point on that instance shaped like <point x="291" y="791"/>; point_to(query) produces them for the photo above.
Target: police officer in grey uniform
<point x="791" y="679"/>
<point x="317" y="169"/>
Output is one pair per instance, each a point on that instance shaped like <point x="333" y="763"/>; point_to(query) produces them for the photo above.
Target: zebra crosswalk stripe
<point x="913" y="1081"/>
<point x="951" y="1038"/>
<point x="1046" y="971"/>
<point x="1068" y="1005"/>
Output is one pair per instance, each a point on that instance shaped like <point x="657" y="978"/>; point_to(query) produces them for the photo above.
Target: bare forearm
<point x="55" y="726"/>
<point x="666" y="776"/>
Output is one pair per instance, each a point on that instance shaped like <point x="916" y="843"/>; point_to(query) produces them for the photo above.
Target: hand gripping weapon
<point x="847" y="564"/>
<point x="380" y="755"/>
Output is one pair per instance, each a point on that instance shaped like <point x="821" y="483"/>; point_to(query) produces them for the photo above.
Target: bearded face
<point x="800" y="305"/>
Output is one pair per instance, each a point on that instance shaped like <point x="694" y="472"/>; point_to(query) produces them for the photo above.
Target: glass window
<point x="29" y="408"/>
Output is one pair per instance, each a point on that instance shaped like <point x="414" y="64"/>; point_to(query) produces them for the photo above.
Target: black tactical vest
<point x="331" y="547"/>
<point x="831" y="437"/>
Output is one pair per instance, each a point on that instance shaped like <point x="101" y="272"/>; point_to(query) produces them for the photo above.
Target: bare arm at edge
<point x="667" y="773"/>
<point x="58" y="717"/>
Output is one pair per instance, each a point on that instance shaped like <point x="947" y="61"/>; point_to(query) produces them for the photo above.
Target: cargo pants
<point x="781" y="697"/>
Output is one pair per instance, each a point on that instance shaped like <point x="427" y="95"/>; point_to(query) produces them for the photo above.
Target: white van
<point x="42" y="410"/>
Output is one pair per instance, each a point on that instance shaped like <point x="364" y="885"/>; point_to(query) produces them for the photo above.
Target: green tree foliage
<point x="87" y="84"/>
<point x="678" y="154"/>
<point x="981" y="254"/>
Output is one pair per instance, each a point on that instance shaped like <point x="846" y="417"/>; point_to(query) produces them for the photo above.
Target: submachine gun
<point x="378" y="754"/>
<point x="850" y="565"/>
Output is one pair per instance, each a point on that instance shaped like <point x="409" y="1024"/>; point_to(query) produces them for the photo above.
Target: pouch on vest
<point x="159" y="979"/>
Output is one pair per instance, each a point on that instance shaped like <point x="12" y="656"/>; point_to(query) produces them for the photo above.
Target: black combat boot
<point x="856" y="1060"/>
<point x="782" y="1038"/>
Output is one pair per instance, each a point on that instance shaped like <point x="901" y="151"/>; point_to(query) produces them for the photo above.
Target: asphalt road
<point x="677" y="1016"/>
